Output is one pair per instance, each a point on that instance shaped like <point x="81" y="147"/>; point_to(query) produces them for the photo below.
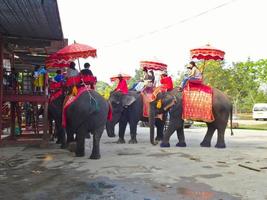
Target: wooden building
<point x="29" y="31"/>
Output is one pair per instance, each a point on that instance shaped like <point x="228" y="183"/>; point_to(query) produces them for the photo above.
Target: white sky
<point x="239" y="29"/>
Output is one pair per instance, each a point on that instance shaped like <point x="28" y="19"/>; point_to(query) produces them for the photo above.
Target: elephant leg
<point x="80" y="148"/>
<point x="168" y="133"/>
<point x="62" y="135"/>
<point x="96" y="146"/>
<point x="160" y="129"/>
<point x="70" y="136"/>
<point x="133" y="130"/>
<point x="122" y="128"/>
<point x="220" y="139"/>
<point x="207" y="139"/>
<point x="181" y="137"/>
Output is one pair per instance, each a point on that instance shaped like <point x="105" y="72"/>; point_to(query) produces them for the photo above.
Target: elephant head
<point x="119" y="102"/>
<point x="162" y="104"/>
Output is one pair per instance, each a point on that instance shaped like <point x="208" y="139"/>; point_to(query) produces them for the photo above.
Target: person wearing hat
<point x="122" y="85"/>
<point x="166" y="81"/>
<point x="193" y="74"/>
<point x="86" y="71"/>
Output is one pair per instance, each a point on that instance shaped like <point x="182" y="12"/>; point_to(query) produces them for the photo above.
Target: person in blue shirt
<point x="59" y="77"/>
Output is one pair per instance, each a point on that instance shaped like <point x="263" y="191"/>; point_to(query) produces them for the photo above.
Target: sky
<point x="125" y="32"/>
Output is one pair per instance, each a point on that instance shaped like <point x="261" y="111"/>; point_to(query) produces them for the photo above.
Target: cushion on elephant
<point x="75" y="80"/>
<point x="69" y="100"/>
<point x="197" y="102"/>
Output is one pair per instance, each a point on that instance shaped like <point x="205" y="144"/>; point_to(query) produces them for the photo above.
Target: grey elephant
<point x="86" y="114"/>
<point x="129" y="109"/>
<point x="172" y="103"/>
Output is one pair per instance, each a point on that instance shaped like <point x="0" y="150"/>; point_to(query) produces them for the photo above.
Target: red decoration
<point x="207" y="53"/>
<point x="54" y="61"/>
<point x="150" y="65"/>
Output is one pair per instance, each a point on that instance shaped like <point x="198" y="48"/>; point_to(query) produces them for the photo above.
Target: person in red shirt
<point x="166" y="82"/>
<point x="122" y="85"/>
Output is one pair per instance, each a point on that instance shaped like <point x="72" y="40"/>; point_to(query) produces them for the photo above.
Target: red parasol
<point x="75" y="51"/>
<point x="69" y="53"/>
<point x="207" y="52"/>
<point x="53" y="61"/>
<point x="150" y="65"/>
<point x="124" y="76"/>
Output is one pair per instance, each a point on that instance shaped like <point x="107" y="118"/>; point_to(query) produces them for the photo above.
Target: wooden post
<point x="45" y="114"/>
<point x="13" y="119"/>
<point x="1" y="81"/>
<point x="12" y="104"/>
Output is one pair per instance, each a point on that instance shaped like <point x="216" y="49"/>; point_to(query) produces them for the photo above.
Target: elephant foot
<point x="95" y="156"/>
<point x="71" y="146"/>
<point x="63" y="146"/>
<point x="79" y="153"/>
<point x="132" y="141"/>
<point x="181" y="144"/>
<point x="220" y="146"/>
<point x="163" y="145"/>
<point x="158" y="138"/>
<point x="112" y="135"/>
<point x="205" y="144"/>
<point x="121" y="141"/>
<point x="58" y="141"/>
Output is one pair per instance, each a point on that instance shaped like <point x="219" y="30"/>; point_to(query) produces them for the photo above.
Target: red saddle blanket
<point x="197" y="102"/>
<point x="70" y="99"/>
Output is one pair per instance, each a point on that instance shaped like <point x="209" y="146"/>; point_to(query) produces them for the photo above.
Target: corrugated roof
<point x="30" y="19"/>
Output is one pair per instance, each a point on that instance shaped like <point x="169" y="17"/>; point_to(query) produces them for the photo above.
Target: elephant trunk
<point x="152" y="122"/>
<point x="110" y="129"/>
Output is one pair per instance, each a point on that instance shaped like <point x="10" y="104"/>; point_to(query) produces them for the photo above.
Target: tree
<point x="104" y="89"/>
<point x="137" y="77"/>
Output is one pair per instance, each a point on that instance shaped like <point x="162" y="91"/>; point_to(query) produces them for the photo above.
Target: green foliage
<point x="241" y="81"/>
<point x="137" y="77"/>
<point x="104" y="89"/>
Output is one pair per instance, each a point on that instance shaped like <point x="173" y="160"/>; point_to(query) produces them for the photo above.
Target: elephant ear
<point x="127" y="100"/>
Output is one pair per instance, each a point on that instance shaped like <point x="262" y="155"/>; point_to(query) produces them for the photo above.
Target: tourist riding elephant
<point x="172" y="103"/>
<point x="129" y="109"/>
<point x="88" y="113"/>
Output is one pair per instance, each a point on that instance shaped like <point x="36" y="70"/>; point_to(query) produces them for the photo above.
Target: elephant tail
<point x="231" y="120"/>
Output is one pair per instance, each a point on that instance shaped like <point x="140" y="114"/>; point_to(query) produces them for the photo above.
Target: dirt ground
<point x="139" y="171"/>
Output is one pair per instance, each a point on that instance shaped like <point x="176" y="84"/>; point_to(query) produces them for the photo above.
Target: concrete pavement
<point x="140" y="171"/>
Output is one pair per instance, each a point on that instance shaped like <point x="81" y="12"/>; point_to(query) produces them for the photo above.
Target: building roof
<point x="31" y="30"/>
<point x="38" y="19"/>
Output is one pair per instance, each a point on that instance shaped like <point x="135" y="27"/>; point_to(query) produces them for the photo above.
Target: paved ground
<point x="140" y="171"/>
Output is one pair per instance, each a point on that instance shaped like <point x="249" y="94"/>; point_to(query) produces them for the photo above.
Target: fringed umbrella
<point x="70" y="53"/>
<point x="206" y="53"/>
<point x="151" y="65"/>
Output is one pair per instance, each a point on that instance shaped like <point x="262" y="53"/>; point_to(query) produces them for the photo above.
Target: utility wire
<point x="171" y="25"/>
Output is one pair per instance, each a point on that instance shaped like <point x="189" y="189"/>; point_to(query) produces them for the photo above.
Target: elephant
<point x="88" y="113"/>
<point x="172" y="103"/>
<point x="55" y="113"/>
<point x="129" y="109"/>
